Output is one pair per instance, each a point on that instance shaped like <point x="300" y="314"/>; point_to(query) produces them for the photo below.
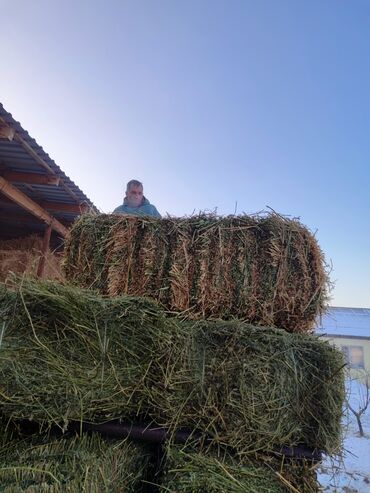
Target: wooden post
<point x="45" y="247"/>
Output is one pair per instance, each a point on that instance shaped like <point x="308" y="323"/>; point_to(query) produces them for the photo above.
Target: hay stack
<point x="22" y="256"/>
<point x="68" y="354"/>
<point x="265" y="270"/>
<point x="71" y="464"/>
<point x="192" y="472"/>
<point x="253" y="388"/>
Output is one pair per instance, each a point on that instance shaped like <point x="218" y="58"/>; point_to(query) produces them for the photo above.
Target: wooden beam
<point x="39" y="159"/>
<point x="33" y="178"/>
<point x="45" y="248"/>
<point x="43" y="163"/>
<point x="56" y="206"/>
<point x="6" y="132"/>
<point x="63" y="207"/>
<point x="33" y="153"/>
<point x="25" y="218"/>
<point x="29" y="205"/>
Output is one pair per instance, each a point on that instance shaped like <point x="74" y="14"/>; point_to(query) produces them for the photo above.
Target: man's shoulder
<point x="145" y="209"/>
<point x="150" y="209"/>
<point x="120" y="208"/>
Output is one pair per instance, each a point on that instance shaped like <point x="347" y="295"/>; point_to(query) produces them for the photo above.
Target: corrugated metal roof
<point x="343" y="321"/>
<point x="23" y="154"/>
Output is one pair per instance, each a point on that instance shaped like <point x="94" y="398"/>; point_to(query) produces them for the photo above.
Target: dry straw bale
<point x="193" y="472"/>
<point x="68" y="354"/>
<point x="71" y="464"/>
<point x="22" y="255"/>
<point x="263" y="269"/>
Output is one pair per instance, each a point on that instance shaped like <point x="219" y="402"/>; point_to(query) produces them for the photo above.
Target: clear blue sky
<point x="209" y="103"/>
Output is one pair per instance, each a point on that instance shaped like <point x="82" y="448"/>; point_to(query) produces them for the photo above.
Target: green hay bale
<point x="71" y="465"/>
<point x="193" y="472"/>
<point x="68" y="354"/>
<point x="255" y="389"/>
<point x="265" y="270"/>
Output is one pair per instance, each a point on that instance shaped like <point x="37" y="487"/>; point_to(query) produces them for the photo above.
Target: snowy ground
<point x="352" y="473"/>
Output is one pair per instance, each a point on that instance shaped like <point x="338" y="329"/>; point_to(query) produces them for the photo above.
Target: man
<point x="135" y="203"/>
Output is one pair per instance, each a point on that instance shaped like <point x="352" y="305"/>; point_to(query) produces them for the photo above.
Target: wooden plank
<point x="44" y="251"/>
<point x="63" y="207"/>
<point x="32" y="178"/>
<point x="56" y="206"/>
<point x="25" y="218"/>
<point x="29" y="205"/>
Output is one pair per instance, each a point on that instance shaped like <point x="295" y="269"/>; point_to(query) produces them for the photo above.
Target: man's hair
<point x="133" y="183"/>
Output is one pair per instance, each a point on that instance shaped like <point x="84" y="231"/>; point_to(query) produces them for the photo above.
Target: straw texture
<point x="264" y="269"/>
<point x="69" y="354"/>
<point x="22" y="256"/>
<point x="192" y="472"/>
<point x="41" y="464"/>
<point x="254" y="388"/>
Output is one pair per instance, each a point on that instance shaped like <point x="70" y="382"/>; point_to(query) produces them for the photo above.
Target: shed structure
<point x="36" y="196"/>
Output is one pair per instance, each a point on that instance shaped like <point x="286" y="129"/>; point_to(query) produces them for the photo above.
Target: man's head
<point x="134" y="193"/>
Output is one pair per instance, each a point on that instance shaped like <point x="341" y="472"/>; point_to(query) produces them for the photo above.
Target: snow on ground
<point x="351" y="474"/>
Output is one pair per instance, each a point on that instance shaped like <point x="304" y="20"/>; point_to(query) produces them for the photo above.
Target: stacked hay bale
<point x="69" y="356"/>
<point x="243" y="390"/>
<point x="22" y="256"/>
<point x="265" y="270"/>
<point x="45" y="464"/>
<point x="101" y="358"/>
<point x="90" y="353"/>
<point x="219" y="473"/>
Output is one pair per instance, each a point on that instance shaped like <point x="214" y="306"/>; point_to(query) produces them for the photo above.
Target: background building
<point x="38" y="204"/>
<point x="349" y="330"/>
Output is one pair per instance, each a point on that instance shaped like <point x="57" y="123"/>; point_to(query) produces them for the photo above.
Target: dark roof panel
<point x="22" y="154"/>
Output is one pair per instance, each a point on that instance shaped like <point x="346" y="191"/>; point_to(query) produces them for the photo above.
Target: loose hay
<point x="22" y="255"/>
<point x="69" y="354"/>
<point x="191" y="472"/>
<point x="70" y="465"/>
<point x="266" y="270"/>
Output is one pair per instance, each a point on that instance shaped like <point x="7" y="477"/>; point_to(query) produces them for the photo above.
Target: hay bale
<point x="254" y="388"/>
<point x="69" y="354"/>
<point x="22" y="255"/>
<point x="29" y="242"/>
<point x="72" y="464"/>
<point x="265" y="270"/>
<point x="191" y="472"/>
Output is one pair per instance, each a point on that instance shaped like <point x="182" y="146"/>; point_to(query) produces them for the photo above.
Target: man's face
<point x="134" y="196"/>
